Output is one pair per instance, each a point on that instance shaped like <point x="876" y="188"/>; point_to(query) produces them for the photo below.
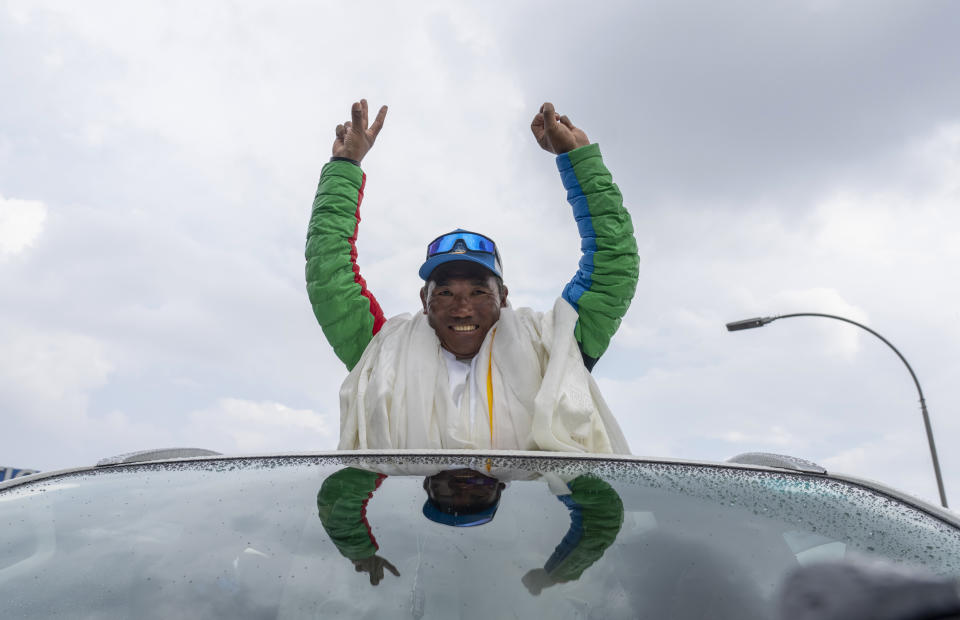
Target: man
<point x="469" y="371"/>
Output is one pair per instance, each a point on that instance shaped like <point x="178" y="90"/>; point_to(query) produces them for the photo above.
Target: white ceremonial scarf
<point x="398" y="394"/>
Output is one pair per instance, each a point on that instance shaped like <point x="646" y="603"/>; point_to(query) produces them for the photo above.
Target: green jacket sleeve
<point x="596" y="515"/>
<point x="348" y="313"/>
<point x="606" y="279"/>
<point x="342" y="505"/>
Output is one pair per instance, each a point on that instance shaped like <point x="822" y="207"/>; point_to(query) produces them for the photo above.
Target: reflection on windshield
<point x="596" y="538"/>
<point x="464" y="497"/>
<point x="461" y="497"/>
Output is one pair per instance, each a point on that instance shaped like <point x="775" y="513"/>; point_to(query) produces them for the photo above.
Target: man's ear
<point x="423" y="297"/>
<point x="503" y="297"/>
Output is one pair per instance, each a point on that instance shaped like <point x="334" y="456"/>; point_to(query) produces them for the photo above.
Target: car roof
<point x="629" y="528"/>
<point x="755" y="461"/>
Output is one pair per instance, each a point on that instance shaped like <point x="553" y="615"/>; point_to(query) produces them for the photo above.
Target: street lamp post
<point x="761" y="321"/>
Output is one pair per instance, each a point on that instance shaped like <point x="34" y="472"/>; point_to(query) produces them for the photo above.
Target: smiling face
<point x="462" y="301"/>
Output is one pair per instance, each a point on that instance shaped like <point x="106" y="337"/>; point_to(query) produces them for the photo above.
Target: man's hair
<point x="499" y="284"/>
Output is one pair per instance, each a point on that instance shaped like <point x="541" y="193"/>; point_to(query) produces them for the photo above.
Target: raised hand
<point x="556" y="134"/>
<point x="536" y="580"/>
<point x="374" y="566"/>
<point x="355" y="138"/>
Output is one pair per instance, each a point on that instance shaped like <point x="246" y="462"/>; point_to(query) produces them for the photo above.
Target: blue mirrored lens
<point x="472" y="241"/>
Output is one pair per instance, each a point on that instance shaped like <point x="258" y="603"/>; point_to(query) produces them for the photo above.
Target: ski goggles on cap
<point x="467" y="242"/>
<point x="462" y="245"/>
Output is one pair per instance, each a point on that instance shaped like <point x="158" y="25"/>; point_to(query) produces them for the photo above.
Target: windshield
<point x="565" y="538"/>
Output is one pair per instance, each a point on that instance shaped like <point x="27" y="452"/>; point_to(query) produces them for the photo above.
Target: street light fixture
<point x="761" y="321"/>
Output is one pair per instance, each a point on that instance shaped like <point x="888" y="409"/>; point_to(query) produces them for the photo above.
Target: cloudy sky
<point x="158" y="161"/>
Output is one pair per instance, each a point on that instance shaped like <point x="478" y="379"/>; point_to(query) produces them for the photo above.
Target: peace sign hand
<point x="354" y="138"/>
<point x="374" y="566"/>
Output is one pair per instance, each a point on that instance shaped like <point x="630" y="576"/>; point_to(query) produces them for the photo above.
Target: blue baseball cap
<point x="462" y="245"/>
<point x="459" y="519"/>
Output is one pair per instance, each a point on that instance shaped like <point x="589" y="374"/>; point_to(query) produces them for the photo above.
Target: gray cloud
<point x="719" y="103"/>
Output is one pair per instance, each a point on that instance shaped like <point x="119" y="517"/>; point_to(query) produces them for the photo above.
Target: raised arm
<point x="606" y="280"/>
<point x="348" y="313"/>
<point x="342" y="506"/>
<point x="596" y="516"/>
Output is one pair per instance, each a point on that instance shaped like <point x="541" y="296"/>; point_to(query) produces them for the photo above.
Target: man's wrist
<point x="347" y="159"/>
<point x="581" y="146"/>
